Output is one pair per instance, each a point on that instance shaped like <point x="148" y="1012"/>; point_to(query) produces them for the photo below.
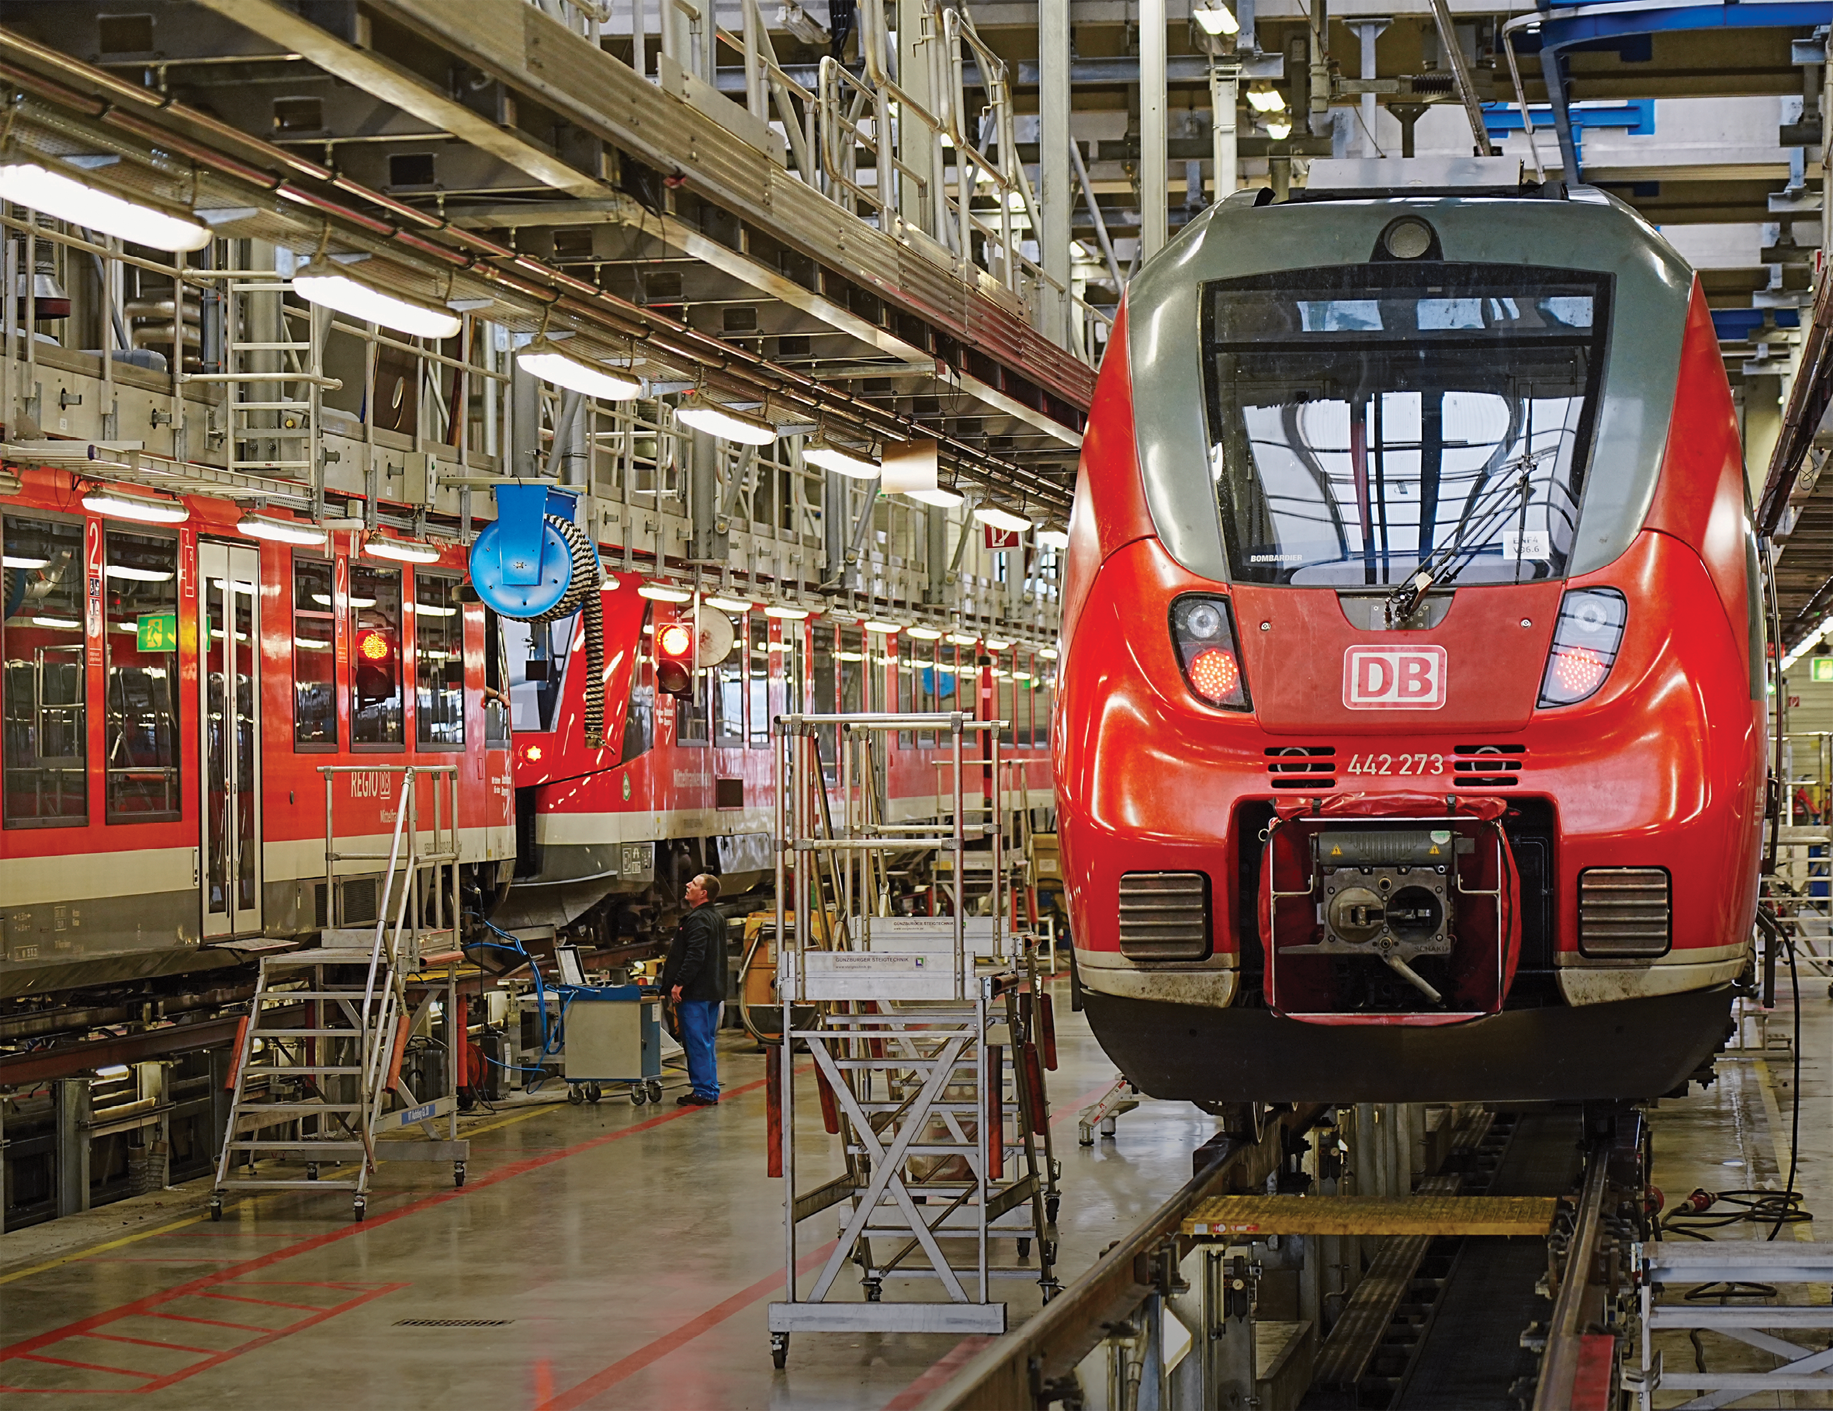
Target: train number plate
<point x="1395" y="764"/>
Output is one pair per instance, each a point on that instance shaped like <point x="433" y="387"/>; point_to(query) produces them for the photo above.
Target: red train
<point x="1410" y="735"/>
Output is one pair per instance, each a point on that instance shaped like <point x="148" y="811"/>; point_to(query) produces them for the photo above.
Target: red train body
<point x="1408" y="840"/>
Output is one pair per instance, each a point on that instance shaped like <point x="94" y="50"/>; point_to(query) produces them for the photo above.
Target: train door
<point x="229" y="709"/>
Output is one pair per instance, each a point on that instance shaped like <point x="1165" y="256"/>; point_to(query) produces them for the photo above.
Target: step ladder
<point x="317" y="1079"/>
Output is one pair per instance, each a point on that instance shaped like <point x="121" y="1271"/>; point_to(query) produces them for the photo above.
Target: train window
<point x="496" y="673"/>
<point x="640" y="718"/>
<point x="140" y="694"/>
<point x="822" y="697"/>
<point x="439" y="663"/>
<point x="537" y="654"/>
<point x="757" y="666"/>
<point x="1007" y="699"/>
<point x="925" y="678"/>
<point x="44" y="756"/>
<point x="376" y="710"/>
<point x="314" y="656"/>
<point x="1365" y="418"/>
<point x="727" y="689"/>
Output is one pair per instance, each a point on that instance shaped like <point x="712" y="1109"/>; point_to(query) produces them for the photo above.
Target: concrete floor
<point x="631" y="1253"/>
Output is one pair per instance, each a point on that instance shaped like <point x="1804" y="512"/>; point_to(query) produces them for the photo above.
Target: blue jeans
<point x="699" y="1023"/>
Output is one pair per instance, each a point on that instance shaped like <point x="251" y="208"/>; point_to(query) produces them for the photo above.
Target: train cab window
<point x="640" y="718"/>
<point x="925" y="681"/>
<point x="314" y="656"/>
<point x="726" y="683"/>
<point x="439" y="663"/>
<point x="44" y="750"/>
<point x="496" y="674"/>
<point x="822" y="692"/>
<point x="757" y="671"/>
<point x="1006" y="699"/>
<point x="536" y="655"/>
<point x="377" y="715"/>
<point x="853" y="668"/>
<point x="140" y="703"/>
<point x="1365" y="418"/>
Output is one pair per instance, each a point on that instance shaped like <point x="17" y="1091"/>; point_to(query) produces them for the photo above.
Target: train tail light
<point x="1585" y="642"/>
<point x="675" y="659"/>
<point x="1203" y="631"/>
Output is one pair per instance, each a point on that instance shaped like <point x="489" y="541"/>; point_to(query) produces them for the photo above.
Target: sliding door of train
<point x="229" y="709"/>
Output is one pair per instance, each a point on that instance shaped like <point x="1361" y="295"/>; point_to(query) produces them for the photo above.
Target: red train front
<point x="1410" y="739"/>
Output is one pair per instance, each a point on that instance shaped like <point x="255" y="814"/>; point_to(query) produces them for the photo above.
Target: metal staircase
<point x="317" y="1075"/>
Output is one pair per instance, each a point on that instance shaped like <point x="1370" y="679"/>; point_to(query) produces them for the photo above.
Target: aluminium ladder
<point x="319" y="1057"/>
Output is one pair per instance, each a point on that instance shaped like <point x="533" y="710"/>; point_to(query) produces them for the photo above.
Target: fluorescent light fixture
<point x="884" y="629"/>
<point x="963" y="639"/>
<point x="12" y="561"/>
<point x="113" y="1070"/>
<point x="784" y="613"/>
<point x="1052" y="539"/>
<point x="544" y="360"/>
<point x="923" y="634"/>
<point x="1264" y="98"/>
<point x="941" y="499"/>
<point x="333" y="288"/>
<point x="58" y="195"/>
<point x="1279" y="129"/>
<point x="282" y="531"/>
<point x="849" y="656"/>
<point x="1021" y="675"/>
<point x="146" y="509"/>
<point x="996" y="644"/>
<point x="306" y="645"/>
<point x="1001" y="519"/>
<point x="1047" y="653"/>
<point x="400" y="550"/>
<point x="859" y="465"/>
<point x="728" y="604"/>
<point x="1216" y="19"/>
<point x="132" y="574"/>
<point x="434" y="610"/>
<point x="58" y="624"/>
<point x="721" y="421"/>
<point x="662" y="593"/>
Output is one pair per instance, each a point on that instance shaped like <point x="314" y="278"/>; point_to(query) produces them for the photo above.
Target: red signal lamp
<point x="373" y="646"/>
<point x="675" y="659"/>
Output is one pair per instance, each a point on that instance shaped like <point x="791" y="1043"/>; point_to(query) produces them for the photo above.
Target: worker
<point x="694" y="977"/>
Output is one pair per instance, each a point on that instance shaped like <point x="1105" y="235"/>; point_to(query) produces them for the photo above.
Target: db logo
<point x="1394" y="678"/>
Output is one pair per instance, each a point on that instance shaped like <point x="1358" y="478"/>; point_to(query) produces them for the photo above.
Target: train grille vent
<point x="1164" y="915"/>
<point x="1624" y="911"/>
<point x="1301" y="766"/>
<point x="1487" y="766"/>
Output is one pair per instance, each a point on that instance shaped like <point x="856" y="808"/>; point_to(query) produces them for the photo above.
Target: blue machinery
<point x="535" y="564"/>
<point x="1555" y="31"/>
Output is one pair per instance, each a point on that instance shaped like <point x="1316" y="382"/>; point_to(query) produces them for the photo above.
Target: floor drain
<point x="453" y="1322"/>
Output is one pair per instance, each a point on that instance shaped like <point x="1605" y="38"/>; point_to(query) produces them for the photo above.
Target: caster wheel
<point x="875" y="1292"/>
<point x="360" y="1208"/>
<point x="638" y="1095"/>
<point x="654" y="1088"/>
<point x="779" y="1350"/>
<point x="1085" y="1134"/>
<point x="458" y="1175"/>
<point x="594" y="1092"/>
<point x="1052" y="1204"/>
<point x="575" y="1095"/>
<point x="311" y="1172"/>
<point x="1108" y="1125"/>
<point x="1024" y="1249"/>
<point x="216" y="1210"/>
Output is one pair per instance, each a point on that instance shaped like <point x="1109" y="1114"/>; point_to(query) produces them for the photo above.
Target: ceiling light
<point x="81" y="204"/>
<point x="332" y="288"/>
<point x="1052" y="539"/>
<point x="1218" y="19"/>
<point x="1264" y="98"/>
<point x="147" y="509"/>
<point x="995" y="644"/>
<point x="728" y="604"/>
<point x="883" y="629"/>
<point x="662" y="593"/>
<point x="1047" y="653"/>
<point x="58" y="624"/>
<point x="784" y="613"/>
<point x="859" y="465"/>
<point x="10" y="561"/>
<point x="113" y="1070"/>
<point x="281" y="531"/>
<point x="134" y="574"/>
<point x="923" y="634"/>
<point x="1279" y="129"/>
<point x="941" y="499"/>
<point x="547" y="362"/>
<point x="724" y="421"/>
<point x="1001" y="519"/>
<point x="400" y="550"/>
<point x="962" y="639"/>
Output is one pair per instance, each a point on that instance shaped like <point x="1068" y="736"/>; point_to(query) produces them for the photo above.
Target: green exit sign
<point x="158" y="632"/>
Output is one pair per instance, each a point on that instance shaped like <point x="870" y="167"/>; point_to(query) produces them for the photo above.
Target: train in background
<point x="1410" y="736"/>
<point x="176" y="674"/>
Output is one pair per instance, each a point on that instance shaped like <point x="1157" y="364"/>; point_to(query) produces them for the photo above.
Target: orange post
<point x="235" y="1063"/>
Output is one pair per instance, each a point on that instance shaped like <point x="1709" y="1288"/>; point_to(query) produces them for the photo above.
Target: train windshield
<point x="1363" y="417"/>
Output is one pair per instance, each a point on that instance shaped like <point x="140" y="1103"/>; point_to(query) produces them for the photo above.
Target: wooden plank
<point x="1424" y="1214"/>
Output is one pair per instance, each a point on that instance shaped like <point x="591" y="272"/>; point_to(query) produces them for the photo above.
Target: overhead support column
<point x="1154" y="193"/>
<point x="1554" y="75"/>
<point x="1368" y="29"/>
<point x="1056" y="198"/>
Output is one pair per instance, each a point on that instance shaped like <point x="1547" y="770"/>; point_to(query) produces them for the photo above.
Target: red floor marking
<point x="88" y="1366"/>
<point x="658" y="1348"/>
<point x="913" y="1395"/>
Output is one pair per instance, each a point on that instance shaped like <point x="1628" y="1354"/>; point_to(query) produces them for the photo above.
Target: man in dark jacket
<point x="694" y="977"/>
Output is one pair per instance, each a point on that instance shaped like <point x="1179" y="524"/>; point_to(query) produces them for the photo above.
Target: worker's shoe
<point x="695" y="1100"/>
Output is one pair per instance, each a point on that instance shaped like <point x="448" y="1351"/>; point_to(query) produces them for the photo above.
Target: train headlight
<point x="1585" y="642"/>
<point x="1203" y="631"/>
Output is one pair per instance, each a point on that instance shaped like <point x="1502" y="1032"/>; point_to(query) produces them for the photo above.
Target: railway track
<point x="1450" y="1313"/>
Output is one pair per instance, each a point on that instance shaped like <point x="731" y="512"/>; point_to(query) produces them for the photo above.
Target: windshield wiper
<point x="1446" y="563"/>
